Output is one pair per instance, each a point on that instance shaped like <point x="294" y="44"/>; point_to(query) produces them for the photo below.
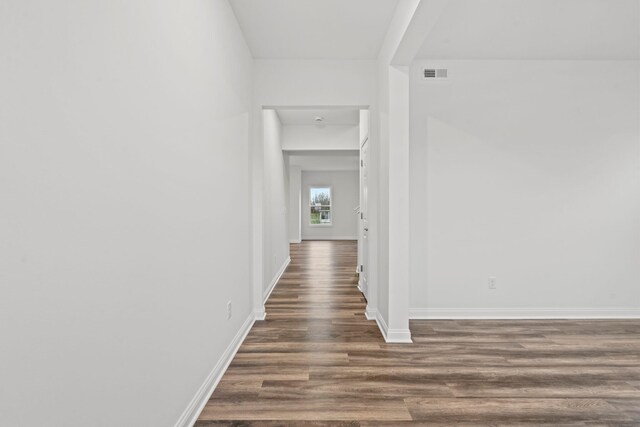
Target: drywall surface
<point x="364" y="126"/>
<point x="329" y="137"/>
<point x="330" y="161"/>
<point x="345" y="196"/>
<point x="124" y="181"/>
<point x="529" y="172"/>
<point x="276" y="188"/>
<point x="390" y="161"/>
<point x="286" y="83"/>
<point x="295" y="203"/>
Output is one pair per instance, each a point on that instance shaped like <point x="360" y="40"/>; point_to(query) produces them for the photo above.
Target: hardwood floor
<point x="316" y="361"/>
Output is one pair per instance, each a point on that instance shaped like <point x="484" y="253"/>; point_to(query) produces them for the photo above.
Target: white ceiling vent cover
<point x="433" y="73"/>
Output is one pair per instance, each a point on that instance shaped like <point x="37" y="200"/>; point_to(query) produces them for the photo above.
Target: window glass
<point x="320" y="205"/>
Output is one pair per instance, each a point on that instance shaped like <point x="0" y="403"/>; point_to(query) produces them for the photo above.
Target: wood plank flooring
<point x="316" y="361"/>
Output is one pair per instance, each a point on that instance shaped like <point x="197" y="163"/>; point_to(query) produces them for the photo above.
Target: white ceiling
<point x="536" y="29"/>
<point x="327" y="161"/>
<point x="314" y="29"/>
<point x="342" y="117"/>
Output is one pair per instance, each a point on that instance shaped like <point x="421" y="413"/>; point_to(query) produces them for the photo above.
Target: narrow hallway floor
<point x="316" y="361"/>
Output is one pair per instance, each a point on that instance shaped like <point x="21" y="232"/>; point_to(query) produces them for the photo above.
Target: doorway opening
<point x="314" y="169"/>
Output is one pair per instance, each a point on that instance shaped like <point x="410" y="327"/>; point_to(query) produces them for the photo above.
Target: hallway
<point x="317" y="359"/>
<point x="293" y="366"/>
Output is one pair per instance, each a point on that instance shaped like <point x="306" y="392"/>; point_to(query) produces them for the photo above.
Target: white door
<point x="364" y="211"/>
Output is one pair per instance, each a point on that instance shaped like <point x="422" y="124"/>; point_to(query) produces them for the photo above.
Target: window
<point x="320" y="205"/>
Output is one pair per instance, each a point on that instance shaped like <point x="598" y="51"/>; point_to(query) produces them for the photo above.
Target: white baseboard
<point x="295" y="241"/>
<point x="524" y="313"/>
<point x="370" y="313"/>
<point x="190" y="415"/>
<point x="274" y="281"/>
<point x="399" y="336"/>
<point x="260" y="314"/>
<point x="332" y="238"/>
<point x="382" y="325"/>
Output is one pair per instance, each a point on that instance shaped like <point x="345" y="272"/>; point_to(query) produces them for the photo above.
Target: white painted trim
<point x="524" y="313"/>
<point x="370" y="313"/>
<point x="332" y="238"/>
<point x="274" y="281"/>
<point x="195" y="407"/>
<point x="382" y="325"/>
<point x="399" y="336"/>
<point x="395" y="336"/>
<point x="295" y="241"/>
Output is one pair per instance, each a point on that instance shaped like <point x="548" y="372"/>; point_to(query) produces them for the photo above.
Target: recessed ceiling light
<point x="319" y="119"/>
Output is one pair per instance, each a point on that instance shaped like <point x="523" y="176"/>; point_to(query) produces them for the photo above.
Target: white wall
<point x="295" y="195"/>
<point x="528" y="171"/>
<point x="390" y="161"/>
<point x="345" y="196"/>
<point x="363" y="126"/>
<point x="286" y="83"/>
<point x="276" y="189"/>
<point x="125" y="199"/>
<point x="305" y="137"/>
<point x="320" y="161"/>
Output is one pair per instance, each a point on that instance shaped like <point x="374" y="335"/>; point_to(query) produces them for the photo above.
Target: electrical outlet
<point x="492" y="282"/>
<point x="229" y="312"/>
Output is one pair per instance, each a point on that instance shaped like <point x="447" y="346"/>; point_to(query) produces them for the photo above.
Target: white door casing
<point x="364" y="211"/>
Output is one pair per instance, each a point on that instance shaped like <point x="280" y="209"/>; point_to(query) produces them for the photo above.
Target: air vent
<point x="431" y="73"/>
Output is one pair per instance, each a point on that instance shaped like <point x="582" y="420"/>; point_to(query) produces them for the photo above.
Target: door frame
<point x="363" y="243"/>
<point x="256" y="166"/>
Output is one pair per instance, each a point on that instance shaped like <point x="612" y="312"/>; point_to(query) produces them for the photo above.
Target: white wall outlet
<point x="492" y="282"/>
<point x="229" y="312"/>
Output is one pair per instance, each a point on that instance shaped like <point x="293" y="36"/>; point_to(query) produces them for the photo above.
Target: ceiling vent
<point x="432" y="73"/>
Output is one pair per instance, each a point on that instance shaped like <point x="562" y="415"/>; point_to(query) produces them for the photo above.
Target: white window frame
<point x="329" y="224"/>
